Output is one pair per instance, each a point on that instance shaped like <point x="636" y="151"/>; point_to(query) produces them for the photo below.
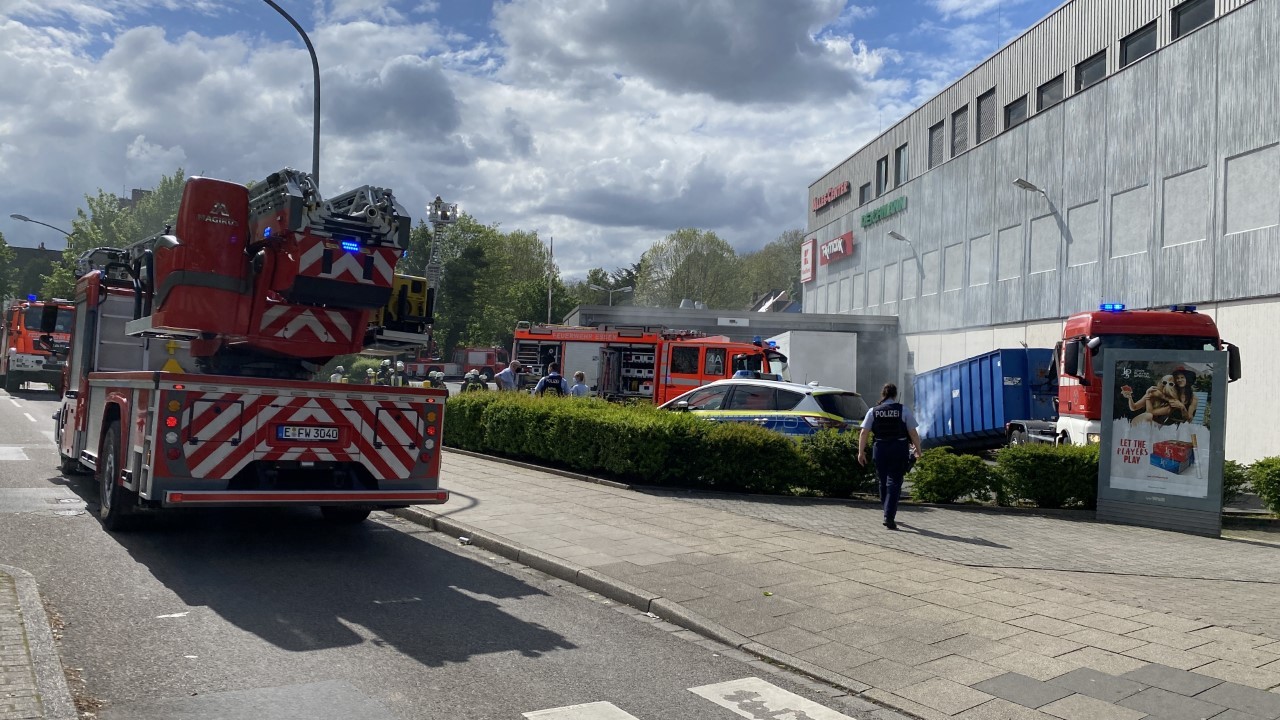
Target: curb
<point x="622" y="592"/>
<point x="51" y="680"/>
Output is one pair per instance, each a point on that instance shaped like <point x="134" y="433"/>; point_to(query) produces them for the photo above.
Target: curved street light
<point x="24" y="218"/>
<point x="315" y="77"/>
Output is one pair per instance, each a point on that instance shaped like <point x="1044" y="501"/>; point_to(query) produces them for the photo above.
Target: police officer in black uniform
<point x="895" y="435"/>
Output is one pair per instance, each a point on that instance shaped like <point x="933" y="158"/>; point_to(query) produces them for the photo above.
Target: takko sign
<point x="806" y="260"/>
<point x="884" y="211"/>
<point x="836" y="248"/>
<point x="831" y="195"/>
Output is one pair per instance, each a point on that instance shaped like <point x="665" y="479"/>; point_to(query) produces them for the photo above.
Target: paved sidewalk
<point x="933" y="637"/>
<point x="32" y="684"/>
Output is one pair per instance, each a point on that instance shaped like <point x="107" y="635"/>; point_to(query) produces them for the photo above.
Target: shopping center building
<point x="1118" y="151"/>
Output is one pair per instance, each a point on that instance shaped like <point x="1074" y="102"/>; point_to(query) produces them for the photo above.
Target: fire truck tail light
<point x="171" y="438"/>
<point x="172" y="453"/>
<point x="171" y="421"/>
<point x="431" y="431"/>
<point x="174" y="405"/>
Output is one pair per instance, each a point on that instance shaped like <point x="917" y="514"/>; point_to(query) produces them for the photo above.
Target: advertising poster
<point x="1162" y="417"/>
<point x="1163" y="432"/>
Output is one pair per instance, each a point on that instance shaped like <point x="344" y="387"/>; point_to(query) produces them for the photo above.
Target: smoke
<point x="929" y="405"/>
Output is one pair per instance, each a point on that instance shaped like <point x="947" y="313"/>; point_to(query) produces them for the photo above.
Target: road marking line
<point x="754" y="698"/>
<point x="29" y="417"/>
<point x="12" y="453"/>
<point x="589" y="711"/>
<point x="15" y="402"/>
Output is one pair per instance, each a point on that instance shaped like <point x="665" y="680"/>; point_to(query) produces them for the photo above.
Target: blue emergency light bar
<point x="1182" y="308"/>
<point x="1112" y="307"/>
<point x="31" y="297"/>
<point x="351" y="246"/>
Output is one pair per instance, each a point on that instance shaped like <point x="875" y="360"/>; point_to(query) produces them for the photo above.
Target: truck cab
<point x="1077" y="357"/>
<point x="26" y="346"/>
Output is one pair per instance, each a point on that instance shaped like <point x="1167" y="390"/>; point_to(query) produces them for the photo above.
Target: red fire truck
<point x="649" y="363"/>
<point x="485" y="361"/>
<point x="24" y="358"/>
<point x="192" y="357"/>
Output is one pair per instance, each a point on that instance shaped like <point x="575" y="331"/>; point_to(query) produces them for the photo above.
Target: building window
<point x="900" y="170"/>
<point x="882" y="175"/>
<point x="1190" y="15"/>
<point x="986" y="115"/>
<point x="935" y="145"/>
<point x="864" y="194"/>
<point x="1015" y="113"/>
<point x="1049" y="94"/>
<point x="959" y="131"/>
<point x="1091" y="71"/>
<point x="1137" y="45"/>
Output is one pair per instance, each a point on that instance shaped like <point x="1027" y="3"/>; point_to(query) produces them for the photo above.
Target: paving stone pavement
<point x="906" y="619"/>
<point x="19" y="697"/>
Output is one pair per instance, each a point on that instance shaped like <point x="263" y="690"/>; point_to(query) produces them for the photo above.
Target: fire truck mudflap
<point x="193" y="442"/>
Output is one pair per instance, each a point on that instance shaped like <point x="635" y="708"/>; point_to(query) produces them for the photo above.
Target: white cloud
<point x="598" y="130"/>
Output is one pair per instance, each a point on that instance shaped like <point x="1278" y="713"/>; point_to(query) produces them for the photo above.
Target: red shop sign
<point x="806" y="260"/>
<point x="836" y="248"/>
<point x="831" y="195"/>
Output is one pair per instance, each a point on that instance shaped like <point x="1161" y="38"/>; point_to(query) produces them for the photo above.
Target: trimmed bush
<point x="1051" y="476"/>
<point x="1264" y="476"/>
<point x="1235" y="478"/>
<point x="943" y="477"/>
<point x="833" y="469"/>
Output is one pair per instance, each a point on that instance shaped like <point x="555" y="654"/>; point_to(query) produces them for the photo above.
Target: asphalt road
<point x="273" y="615"/>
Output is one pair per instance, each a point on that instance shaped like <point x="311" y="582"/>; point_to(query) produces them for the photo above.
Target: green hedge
<point x="1235" y="478"/>
<point x="1051" y="476"/>
<point x="639" y="443"/>
<point x="943" y="477"/>
<point x="1264" y="476"/>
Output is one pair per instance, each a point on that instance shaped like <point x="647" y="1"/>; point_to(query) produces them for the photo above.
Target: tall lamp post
<point x="900" y="238"/>
<point x="626" y="289"/>
<point x="315" y="93"/>
<point x="24" y="218"/>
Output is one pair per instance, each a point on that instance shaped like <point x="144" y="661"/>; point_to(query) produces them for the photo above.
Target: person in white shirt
<point x="579" y="388"/>
<point x="506" y="378"/>
<point x="337" y="375"/>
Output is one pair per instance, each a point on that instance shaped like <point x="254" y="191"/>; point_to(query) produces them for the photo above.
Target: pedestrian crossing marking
<point x="588" y="711"/>
<point x="754" y="698"/>
<point x="12" y="453"/>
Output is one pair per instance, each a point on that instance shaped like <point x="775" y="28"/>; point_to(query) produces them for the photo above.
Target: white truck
<point x="827" y="358"/>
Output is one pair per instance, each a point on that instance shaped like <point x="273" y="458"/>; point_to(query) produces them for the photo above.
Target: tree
<point x="776" y="266"/>
<point x="693" y="265"/>
<point x="108" y="224"/>
<point x="8" y="272"/>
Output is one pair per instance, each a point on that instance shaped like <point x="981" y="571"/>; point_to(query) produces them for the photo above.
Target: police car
<point x="788" y="407"/>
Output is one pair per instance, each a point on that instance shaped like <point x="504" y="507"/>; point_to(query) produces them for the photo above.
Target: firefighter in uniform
<point x="895" y="434"/>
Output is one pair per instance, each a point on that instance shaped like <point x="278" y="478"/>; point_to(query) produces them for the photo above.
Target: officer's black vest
<point x="886" y="422"/>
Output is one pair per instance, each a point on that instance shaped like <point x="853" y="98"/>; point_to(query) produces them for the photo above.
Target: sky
<point x="604" y="124"/>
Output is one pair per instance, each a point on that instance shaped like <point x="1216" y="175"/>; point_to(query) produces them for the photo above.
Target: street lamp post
<point x="626" y="289"/>
<point x="900" y="238"/>
<point x="24" y="218"/>
<point x="315" y="93"/>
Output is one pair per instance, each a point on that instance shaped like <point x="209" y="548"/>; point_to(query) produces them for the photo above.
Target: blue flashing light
<point x="1183" y="308"/>
<point x="31" y="297"/>
<point x="1112" y="307"/>
<point x="266" y="232"/>
<point x="351" y="246"/>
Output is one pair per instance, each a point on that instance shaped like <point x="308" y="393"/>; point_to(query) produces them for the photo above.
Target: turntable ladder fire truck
<point x="190" y="375"/>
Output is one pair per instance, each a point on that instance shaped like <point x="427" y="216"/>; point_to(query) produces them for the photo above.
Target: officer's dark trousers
<point x="891" y="458"/>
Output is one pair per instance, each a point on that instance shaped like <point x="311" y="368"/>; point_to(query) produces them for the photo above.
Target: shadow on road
<point x="302" y="584"/>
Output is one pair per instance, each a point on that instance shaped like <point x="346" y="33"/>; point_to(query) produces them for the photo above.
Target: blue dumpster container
<point x="966" y="404"/>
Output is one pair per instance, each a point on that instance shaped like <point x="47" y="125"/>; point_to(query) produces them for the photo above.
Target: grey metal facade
<point x="1162" y="181"/>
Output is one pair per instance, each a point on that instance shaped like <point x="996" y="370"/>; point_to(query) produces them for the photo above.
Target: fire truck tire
<point x="1017" y="437"/>
<point x="115" y="505"/>
<point x="11" y="384"/>
<point x="344" y="515"/>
